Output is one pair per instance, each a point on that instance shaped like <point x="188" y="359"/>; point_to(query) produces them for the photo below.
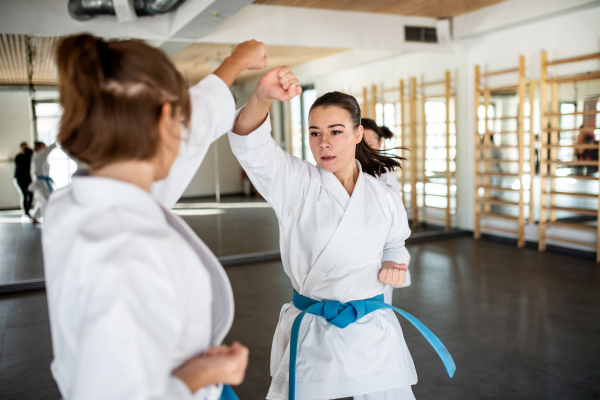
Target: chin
<point x="329" y="167"/>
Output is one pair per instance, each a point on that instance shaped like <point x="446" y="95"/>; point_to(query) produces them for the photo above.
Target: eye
<point x="314" y="133"/>
<point x="336" y="132"/>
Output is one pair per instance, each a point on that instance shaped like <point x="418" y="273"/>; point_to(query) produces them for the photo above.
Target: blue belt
<point x="48" y="180"/>
<point x="342" y="315"/>
<point x="228" y="393"/>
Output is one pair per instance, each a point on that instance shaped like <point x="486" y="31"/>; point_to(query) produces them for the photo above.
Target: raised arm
<point x="278" y="84"/>
<point x="277" y="175"/>
<point x="213" y="111"/>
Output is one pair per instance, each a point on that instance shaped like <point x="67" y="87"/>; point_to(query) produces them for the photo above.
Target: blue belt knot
<point x="49" y="181"/>
<point x="343" y="314"/>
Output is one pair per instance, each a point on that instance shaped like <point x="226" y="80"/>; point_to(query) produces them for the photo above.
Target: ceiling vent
<point x="83" y="10"/>
<point x="423" y="34"/>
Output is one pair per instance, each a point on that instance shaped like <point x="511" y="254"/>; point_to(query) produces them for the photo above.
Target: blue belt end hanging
<point x="344" y="314"/>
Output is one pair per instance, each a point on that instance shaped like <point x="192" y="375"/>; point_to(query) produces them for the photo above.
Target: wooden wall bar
<point x="495" y="203"/>
<point x="578" y="219"/>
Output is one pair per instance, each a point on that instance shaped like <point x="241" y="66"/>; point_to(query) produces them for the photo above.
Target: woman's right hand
<point x="246" y="55"/>
<point x="251" y="54"/>
<point x="222" y="364"/>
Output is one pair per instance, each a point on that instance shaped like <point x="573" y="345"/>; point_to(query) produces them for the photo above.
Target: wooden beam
<point x="413" y="141"/>
<point x="402" y="134"/>
<point x="477" y="221"/>
<point x="532" y="87"/>
<point x="554" y="123"/>
<point x="448" y="172"/>
<point x="521" y="142"/>
<point x="574" y="59"/>
<point x="504" y="71"/>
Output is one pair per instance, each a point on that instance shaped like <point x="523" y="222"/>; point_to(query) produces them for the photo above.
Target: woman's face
<point x="373" y="139"/>
<point x="333" y="138"/>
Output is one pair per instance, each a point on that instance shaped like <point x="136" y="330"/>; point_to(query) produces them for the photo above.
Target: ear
<point x="359" y="134"/>
<point x="164" y="121"/>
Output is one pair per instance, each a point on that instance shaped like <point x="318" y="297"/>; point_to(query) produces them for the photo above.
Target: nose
<point x="324" y="144"/>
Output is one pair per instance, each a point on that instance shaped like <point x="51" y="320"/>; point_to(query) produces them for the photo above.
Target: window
<point x="300" y="106"/>
<point x="48" y="115"/>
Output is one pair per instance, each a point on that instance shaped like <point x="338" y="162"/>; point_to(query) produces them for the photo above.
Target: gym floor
<point x="519" y="324"/>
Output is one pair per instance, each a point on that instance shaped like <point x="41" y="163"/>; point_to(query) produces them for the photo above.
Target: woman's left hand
<point x="392" y="274"/>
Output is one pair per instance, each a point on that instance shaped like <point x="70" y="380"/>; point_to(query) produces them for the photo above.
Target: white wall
<point x="563" y="33"/>
<point x="15" y="127"/>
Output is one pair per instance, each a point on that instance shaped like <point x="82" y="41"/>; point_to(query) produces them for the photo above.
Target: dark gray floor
<point x="519" y="324"/>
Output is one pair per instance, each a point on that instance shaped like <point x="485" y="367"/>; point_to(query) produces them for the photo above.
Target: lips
<point x="327" y="158"/>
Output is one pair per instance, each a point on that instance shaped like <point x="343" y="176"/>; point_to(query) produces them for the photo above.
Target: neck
<point x="348" y="177"/>
<point x="138" y="173"/>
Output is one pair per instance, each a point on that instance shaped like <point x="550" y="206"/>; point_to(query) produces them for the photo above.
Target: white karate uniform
<point x="389" y="178"/>
<point x="132" y="292"/>
<point x="40" y="168"/>
<point x="332" y="246"/>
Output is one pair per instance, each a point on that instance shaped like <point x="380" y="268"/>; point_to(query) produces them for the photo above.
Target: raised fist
<point x="251" y="54"/>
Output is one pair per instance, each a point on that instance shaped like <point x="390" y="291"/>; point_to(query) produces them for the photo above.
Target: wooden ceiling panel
<point x="421" y="8"/>
<point x="200" y="59"/>
<point x="195" y="61"/>
<point x="13" y="60"/>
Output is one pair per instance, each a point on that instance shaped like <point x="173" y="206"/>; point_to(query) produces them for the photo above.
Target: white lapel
<point x="353" y="206"/>
<point x="222" y="295"/>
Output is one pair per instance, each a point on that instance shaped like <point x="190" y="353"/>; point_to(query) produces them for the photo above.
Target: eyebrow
<point x="330" y="126"/>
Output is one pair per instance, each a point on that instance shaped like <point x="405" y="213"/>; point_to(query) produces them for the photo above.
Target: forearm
<point x="252" y="115"/>
<point x="230" y="69"/>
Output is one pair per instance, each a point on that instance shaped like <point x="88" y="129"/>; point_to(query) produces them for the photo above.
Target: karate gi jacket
<point x="132" y="291"/>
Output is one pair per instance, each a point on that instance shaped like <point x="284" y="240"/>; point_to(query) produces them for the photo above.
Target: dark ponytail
<point x="386" y="133"/>
<point x="383" y="132"/>
<point x="373" y="162"/>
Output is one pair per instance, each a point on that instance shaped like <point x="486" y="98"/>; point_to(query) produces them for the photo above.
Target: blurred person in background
<point x="22" y="178"/>
<point x="42" y="185"/>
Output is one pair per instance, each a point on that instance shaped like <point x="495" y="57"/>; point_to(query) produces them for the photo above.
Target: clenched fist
<point x="251" y="54"/>
<point x="278" y="84"/>
<point x="392" y="274"/>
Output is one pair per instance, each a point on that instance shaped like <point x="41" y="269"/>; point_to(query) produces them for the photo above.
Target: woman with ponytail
<point x="138" y="304"/>
<point x="374" y="136"/>
<point x="342" y="245"/>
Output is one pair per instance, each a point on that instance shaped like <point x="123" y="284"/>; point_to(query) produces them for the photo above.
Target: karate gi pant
<point x="26" y="197"/>
<point x="41" y="199"/>
<point x="403" y="393"/>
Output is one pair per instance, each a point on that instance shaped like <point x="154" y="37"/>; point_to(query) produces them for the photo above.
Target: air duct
<point x="84" y="10"/>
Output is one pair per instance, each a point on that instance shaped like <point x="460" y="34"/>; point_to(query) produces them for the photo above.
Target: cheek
<point x="349" y="147"/>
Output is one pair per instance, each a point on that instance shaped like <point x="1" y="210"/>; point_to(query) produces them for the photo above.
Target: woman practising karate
<point x="374" y="136"/>
<point x="342" y="243"/>
<point x="138" y="304"/>
<point x="41" y="185"/>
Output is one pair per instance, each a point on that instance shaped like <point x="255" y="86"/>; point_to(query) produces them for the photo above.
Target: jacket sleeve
<point x="395" y="249"/>
<point x="213" y="109"/>
<point x="278" y="176"/>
